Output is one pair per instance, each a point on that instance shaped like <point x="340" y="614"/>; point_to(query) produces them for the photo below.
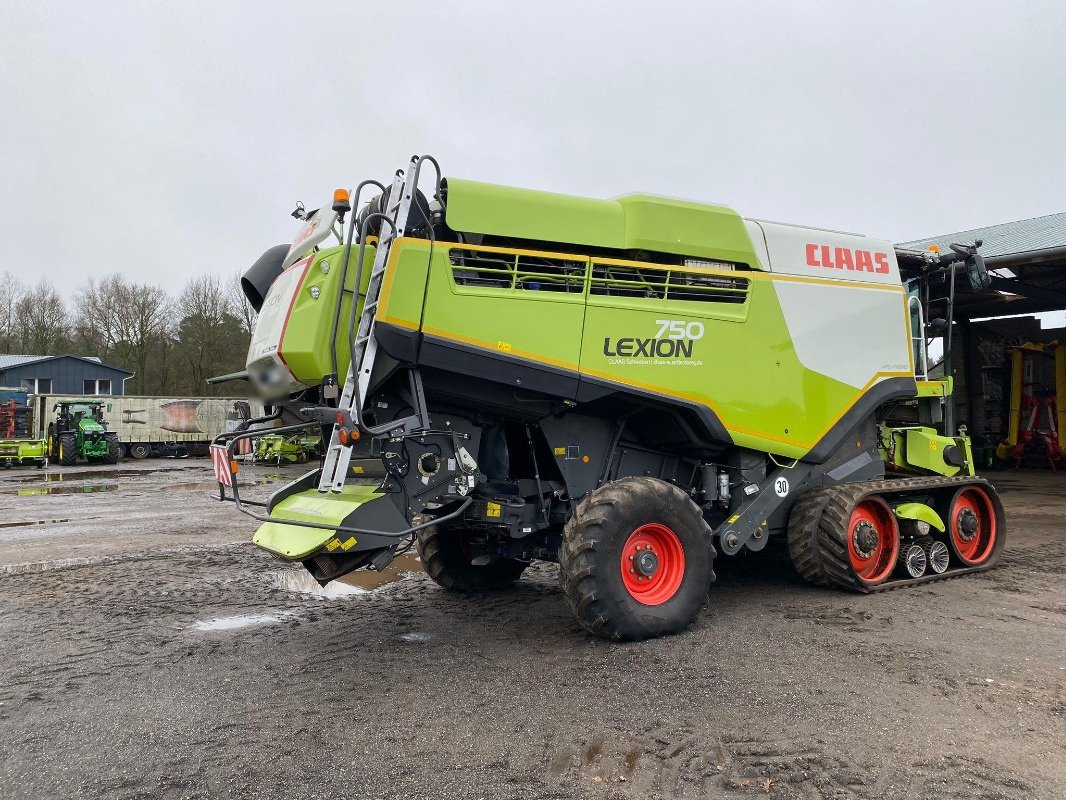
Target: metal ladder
<point x="365" y="348"/>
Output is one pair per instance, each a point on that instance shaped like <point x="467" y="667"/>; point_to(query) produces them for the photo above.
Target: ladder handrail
<point x="344" y="273"/>
<point x="356" y="403"/>
<point x="362" y="346"/>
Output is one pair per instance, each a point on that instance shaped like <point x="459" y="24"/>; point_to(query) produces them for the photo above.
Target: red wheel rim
<point x="653" y="564"/>
<point x="873" y="540"/>
<point x="972" y="526"/>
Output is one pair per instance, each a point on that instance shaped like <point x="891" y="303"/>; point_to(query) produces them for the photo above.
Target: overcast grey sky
<point x="167" y="139"/>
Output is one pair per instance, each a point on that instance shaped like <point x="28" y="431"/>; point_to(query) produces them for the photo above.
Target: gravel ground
<point x="149" y="651"/>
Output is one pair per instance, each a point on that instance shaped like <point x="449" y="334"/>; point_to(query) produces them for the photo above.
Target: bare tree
<point x="240" y="307"/>
<point x="211" y="338"/>
<point x="143" y="319"/>
<point x="41" y="320"/>
<point x="96" y="331"/>
<point x="12" y="291"/>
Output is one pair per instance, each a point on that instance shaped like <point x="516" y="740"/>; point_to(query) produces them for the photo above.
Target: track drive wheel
<point x="446" y="558"/>
<point x="836" y="541"/>
<point x="68" y="450"/>
<point x="972" y="527"/>
<point x="636" y="560"/>
<point x="873" y="541"/>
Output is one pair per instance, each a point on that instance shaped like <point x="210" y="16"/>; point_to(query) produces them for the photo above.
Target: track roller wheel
<point x="636" y="560"/>
<point x="913" y="559"/>
<point x="936" y="554"/>
<point x="446" y="558"/>
<point x="972" y="526"/>
<point x="873" y="541"/>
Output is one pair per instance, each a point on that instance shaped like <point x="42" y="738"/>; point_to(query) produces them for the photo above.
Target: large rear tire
<point x="637" y="559"/>
<point x="68" y="450"/>
<point x="446" y="559"/>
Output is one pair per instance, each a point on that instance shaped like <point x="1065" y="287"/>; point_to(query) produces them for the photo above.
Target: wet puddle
<point x="239" y="621"/>
<point x="368" y="580"/>
<point x="89" y="487"/>
<point x="97" y="474"/>
<point x="361" y="581"/>
<point x="212" y="486"/>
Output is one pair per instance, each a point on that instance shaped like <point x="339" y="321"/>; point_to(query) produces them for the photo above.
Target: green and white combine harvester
<point x="625" y="387"/>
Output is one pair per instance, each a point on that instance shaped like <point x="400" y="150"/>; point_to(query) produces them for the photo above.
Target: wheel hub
<point x="653" y="564"/>
<point x="865" y="539"/>
<point x="646" y="563"/>
<point x="968" y="525"/>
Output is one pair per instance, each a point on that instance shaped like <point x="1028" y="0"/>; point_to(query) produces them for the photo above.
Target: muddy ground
<point x="147" y="650"/>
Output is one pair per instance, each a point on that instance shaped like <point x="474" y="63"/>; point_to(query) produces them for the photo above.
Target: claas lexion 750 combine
<point x="625" y="387"/>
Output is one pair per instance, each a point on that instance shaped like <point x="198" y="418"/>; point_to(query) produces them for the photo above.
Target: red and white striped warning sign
<point x="220" y="461"/>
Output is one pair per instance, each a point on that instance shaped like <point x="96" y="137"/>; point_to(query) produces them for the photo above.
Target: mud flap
<point x="356" y="506"/>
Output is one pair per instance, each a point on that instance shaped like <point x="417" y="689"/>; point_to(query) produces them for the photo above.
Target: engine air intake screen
<point x="518" y="272"/>
<point x="667" y="284"/>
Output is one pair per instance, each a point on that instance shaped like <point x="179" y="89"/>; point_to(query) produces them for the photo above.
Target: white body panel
<point x="317" y="230"/>
<point x="875" y="338"/>
<point x="845" y="307"/>
<point x="817" y="253"/>
<point x="266" y="369"/>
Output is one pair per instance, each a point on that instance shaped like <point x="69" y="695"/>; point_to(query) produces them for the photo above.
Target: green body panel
<point x="295" y="542"/>
<point x="632" y="222"/>
<point x="744" y="366"/>
<point x="920" y="512"/>
<point x="921" y="450"/>
<point x="287" y="448"/>
<point x="305" y="346"/>
<point x="89" y="448"/>
<point x="543" y="326"/>
<point x="937" y="388"/>
<point x="23" y="449"/>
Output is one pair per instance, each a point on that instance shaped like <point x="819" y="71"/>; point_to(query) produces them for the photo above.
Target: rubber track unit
<point x="818" y="531"/>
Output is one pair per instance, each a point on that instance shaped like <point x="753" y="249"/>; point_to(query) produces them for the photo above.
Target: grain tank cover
<point x="630" y="222"/>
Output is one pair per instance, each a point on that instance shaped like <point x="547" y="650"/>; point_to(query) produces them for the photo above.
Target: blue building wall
<point x="68" y="375"/>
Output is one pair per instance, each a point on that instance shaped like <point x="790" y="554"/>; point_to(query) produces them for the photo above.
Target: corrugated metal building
<point x="66" y="374"/>
<point x="1027" y="263"/>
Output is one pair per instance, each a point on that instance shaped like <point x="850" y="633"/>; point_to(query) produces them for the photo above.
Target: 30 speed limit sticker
<point x="781" y="487"/>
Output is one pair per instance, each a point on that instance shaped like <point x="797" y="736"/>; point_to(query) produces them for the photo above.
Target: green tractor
<point x="628" y="388"/>
<point x="78" y="432"/>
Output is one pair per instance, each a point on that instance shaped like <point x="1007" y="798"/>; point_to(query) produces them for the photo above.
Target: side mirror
<point x="936" y="327"/>
<point x="977" y="272"/>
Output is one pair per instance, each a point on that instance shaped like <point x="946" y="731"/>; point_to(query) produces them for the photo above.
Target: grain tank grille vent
<point x="660" y="283"/>
<point x="516" y="271"/>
